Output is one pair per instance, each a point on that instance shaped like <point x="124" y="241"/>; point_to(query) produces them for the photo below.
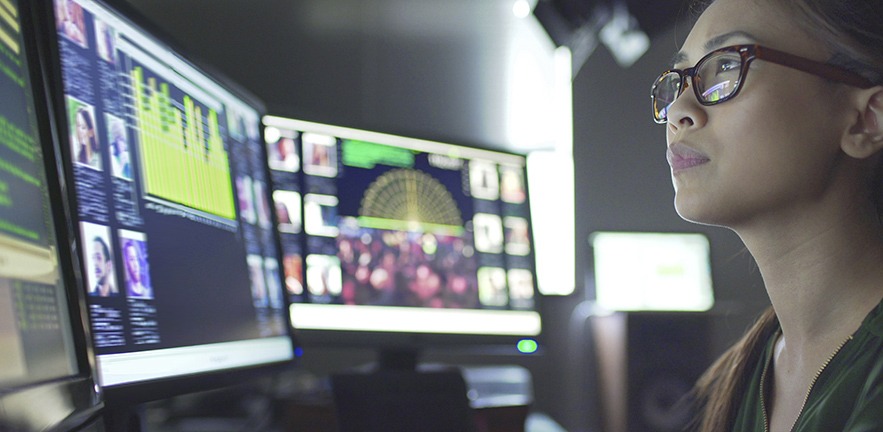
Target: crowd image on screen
<point x="398" y="268"/>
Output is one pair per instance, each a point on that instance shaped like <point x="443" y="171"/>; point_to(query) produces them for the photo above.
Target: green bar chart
<point x="182" y="152"/>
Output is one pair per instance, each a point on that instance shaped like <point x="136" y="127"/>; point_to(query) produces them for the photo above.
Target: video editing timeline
<point x="424" y="227"/>
<point x="178" y="246"/>
<point x="35" y="337"/>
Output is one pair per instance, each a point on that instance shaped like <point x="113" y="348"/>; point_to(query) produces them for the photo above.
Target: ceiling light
<point x="521" y="8"/>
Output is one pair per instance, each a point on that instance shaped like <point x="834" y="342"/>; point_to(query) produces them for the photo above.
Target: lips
<point x="681" y="157"/>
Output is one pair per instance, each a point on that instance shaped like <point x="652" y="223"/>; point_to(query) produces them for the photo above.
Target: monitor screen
<point x="180" y="257"/>
<point x="382" y="233"/>
<point x="44" y="372"/>
<point x="645" y="271"/>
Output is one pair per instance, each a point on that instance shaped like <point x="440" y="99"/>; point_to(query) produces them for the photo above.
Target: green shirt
<point x="847" y="396"/>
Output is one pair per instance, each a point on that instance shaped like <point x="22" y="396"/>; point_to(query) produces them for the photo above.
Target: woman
<point x="135" y="271"/>
<point x="69" y="20"/>
<point x="777" y="134"/>
<point x="88" y="152"/>
<point x="120" y="151"/>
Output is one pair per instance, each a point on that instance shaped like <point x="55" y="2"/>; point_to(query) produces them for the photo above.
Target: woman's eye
<point x="727" y="65"/>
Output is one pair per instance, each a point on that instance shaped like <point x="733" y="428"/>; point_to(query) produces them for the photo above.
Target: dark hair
<point x="104" y="249"/>
<point x="852" y="31"/>
<point x="137" y="247"/>
<point x="87" y="117"/>
<point x="721" y="388"/>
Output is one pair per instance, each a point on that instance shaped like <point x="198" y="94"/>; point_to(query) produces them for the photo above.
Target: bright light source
<point x="652" y="271"/>
<point x="622" y="36"/>
<point x="550" y="180"/>
<point x="271" y="135"/>
<point x="521" y="8"/>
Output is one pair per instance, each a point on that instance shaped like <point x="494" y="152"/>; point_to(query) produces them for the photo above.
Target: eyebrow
<point x="714" y="43"/>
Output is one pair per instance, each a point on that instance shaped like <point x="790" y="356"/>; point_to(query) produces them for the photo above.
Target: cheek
<point x="757" y="166"/>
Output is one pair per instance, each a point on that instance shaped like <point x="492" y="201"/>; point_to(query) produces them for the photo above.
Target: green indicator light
<point x="527" y="346"/>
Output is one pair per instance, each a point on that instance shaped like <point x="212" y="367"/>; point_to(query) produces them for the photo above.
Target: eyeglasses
<point x="719" y="75"/>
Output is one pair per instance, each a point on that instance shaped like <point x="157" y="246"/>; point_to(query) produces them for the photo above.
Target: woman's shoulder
<point x="848" y="393"/>
<point x="864" y="369"/>
<point x="874" y="321"/>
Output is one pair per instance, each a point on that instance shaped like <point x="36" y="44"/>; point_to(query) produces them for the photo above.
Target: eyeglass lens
<point x="716" y="79"/>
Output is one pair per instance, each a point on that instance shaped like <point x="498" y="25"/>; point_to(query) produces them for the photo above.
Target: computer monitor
<point x="401" y="243"/>
<point x="170" y="192"/>
<point x="652" y="271"/>
<point x="46" y="378"/>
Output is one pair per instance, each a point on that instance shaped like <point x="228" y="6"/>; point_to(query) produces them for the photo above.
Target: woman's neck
<point x="822" y="279"/>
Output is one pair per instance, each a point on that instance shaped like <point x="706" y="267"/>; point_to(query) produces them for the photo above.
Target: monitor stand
<point x="124" y="418"/>
<point x="399" y="396"/>
<point x="398" y="359"/>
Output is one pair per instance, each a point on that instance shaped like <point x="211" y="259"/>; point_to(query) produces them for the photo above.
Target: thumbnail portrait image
<point x="133" y="246"/>
<point x="517" y="235"/>
<point x="262" y="204"/>
<point x="484" y="182"/>
<point x="85" y="143"/>
<point x="320" y="154"/>
<point x="492" y="286"/>
<point x="521" y="288"/>
<point x="120" y="157"/>
<point x="242" y="124"/>
<point x="323" y="277"/>
<point x="288" y="204"/>
<point x="258" y="281"/>
<point x="512" y="189"/>
<point x="320" y="215"/>
<point x="245" y="195"/>
<point x="488" y="233"/>
<point x="274" y="285"/>
<point x="71" y="22"/>
<point x="105" y="41"/>
<point x="293" y="270"/>
<point x="282" y="155"/>
<point x="98" y="258"/>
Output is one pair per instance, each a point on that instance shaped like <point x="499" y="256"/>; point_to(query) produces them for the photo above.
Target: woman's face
<point x="132" y="264"/>
<point x="772" y="150"/>
<point x="84" y="132"/>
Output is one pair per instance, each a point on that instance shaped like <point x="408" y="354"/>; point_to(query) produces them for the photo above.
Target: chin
<point x="699" y="214"/>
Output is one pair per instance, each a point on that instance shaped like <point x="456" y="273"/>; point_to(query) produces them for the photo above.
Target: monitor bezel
<point x="121" y="396"/>
<point x="79" y="390"/>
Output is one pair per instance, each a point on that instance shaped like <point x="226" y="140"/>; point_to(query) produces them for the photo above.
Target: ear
<point x="865" y="138"/>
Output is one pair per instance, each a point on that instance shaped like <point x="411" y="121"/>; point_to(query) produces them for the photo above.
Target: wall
<point x="438" y="70"/>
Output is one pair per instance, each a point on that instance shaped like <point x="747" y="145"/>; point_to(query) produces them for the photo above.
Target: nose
<point x="686" y="112"/>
